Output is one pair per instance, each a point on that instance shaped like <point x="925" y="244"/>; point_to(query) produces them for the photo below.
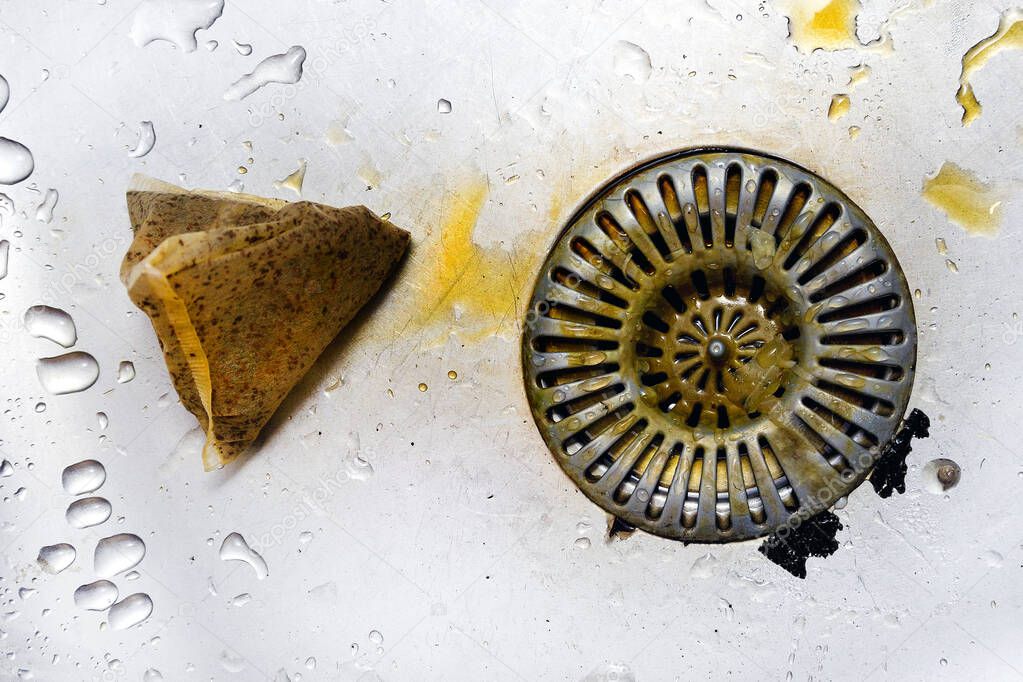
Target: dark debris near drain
<point x="790" y="547"/>
<point x="889" y="474"/>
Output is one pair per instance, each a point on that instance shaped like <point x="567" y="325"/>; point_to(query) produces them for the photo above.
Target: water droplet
<point x="6" y="469"/>
<point x="67" y="373"/>
<point x="5" y="249"/>
<point x="632" y="61"/>
<point x="175" y="21"/>
<point x="44" y="322"/>
<point x="950" y="264"/>
<point x="44" y="211"/>
<point x="5" y="93"/>
<point x="146" y="140"/>
<point x="283" y="68"/>
<point x="55" y="558"/>
<point x="97" y="596"/>
<point x="376" y="637"/>
<point x="583" y="543"/>
<point x="310" y="663"/>
<point x="40" y="407"/>
<point x="940" y="475"/>
<point x="117" y="554"/>
<point x="26" y="593"/>
<point x="152" y="675"/>
<point x="16" y="162"/>
<point x="88" y="512"/>
<point x="443" y="106"/>
<point x="423" y="388"/>
<point x="231" y="662"/>
<point x="102" y="420"/>
<point x="241" y="599"/>
<point x="234" y="548"/>
<point x="294" y="180"/>
<point x="125" y="371"/>
<point x="305" y="537"/>
<point x="83" y="477"/>
<point x="244" y="49"/>
<point x="452" y="374"/>
<point x="211" y="45"/>
<point x="130" y="611"/>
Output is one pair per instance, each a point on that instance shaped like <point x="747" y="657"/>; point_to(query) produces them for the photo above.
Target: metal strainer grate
<point x="718" y="341"/>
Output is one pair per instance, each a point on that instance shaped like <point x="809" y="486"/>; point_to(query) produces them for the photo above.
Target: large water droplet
<point x="152" y="675"/>
<point x="5" y="250"/>
<point x="44" y="211"/>
<point x="146" y="142"/>
<point x="234" y="548"/>
<point x="632" y="61"/>
<point x="42" y="321"/>
<point x="443" y="106"/>
<point x="117" y="554"/>
<point x="67" y="373"/>
<point x="55" y="558"/>
<point x="244" y="49"/>
<point x="125" y="371"/>
<point x="6" y="469"/>
<point x="130" y="611"/>
<point x="5" y="93"/>
<point x="175" y="21"/>
<point x="16" y="162"/>
<point x="279" y="68"/>
<point x="97" y="596"/>
<point x="83" y="477"/>
<point x="88" y="512"/>
<point x="293" y="181"/>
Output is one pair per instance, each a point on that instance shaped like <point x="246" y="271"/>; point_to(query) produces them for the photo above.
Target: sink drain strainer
<point x="718" y="341"/>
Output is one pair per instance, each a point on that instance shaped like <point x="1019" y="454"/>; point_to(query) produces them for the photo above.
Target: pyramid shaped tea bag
<point x="244" y="293"/>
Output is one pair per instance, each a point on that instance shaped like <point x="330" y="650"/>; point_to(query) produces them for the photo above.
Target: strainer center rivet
<point x="719" y="340"/>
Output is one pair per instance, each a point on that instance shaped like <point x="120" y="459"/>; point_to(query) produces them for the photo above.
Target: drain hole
<point x="733" y="186"/>
<point x="723" y="421"/>
<point x="891" y="337"/>
<point x="817" y="442"/>
<point x="797" y="200"/>
<point x="659" y="497"/>
<point x="754" y="502"/>
<point x="778" y="476"/>
<point x="671" y="203"/>
<point x="609" y="226"/>
<point x="591" y="255"/>
<point x="756" y="289"/>
<point x="857" y="433"/>
<point x="691" y="505"/>
<point x="654" y="379"/>
<point x="641" y="213"/>
<point x="871" y="307"/>
<point x="852" y="242"/>
<point x="722" y="504"/>
<point x="654" y="322"/>
<point x="870" y="271"/>
<point x="628" y="486"/>
<point x="559" y="311"/>
<point x="694" y="415"/>
<point x="729" y="281"/>
<point x="790" y="334"/>
<point x="581" y="404"/>
<point x="575" y="281"/>
<point x="863" y="400"/>
<point x="568" y="375"/>
<point x="768" y="181"/>
<point x="560" y="344"/>
<point x="701" y="190"/>
<point x="669" y="403"/>
<point x="872" y="370"/>
<point x="645" y="351"/>
<point x="821" y="224"/>
<point x="700" y="282"/>
<point x="673" y="298"/>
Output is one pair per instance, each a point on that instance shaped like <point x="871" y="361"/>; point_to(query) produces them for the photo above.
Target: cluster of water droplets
<point x="66" y="373"/>
<point x="16" y="161"/>
<point x="114" y="555"/>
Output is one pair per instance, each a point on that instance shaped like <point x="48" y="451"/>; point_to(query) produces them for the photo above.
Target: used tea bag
<point x="244" y="293"/>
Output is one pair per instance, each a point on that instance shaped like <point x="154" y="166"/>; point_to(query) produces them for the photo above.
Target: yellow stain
<point x="839" y="107"/>
<point x="967" y="201"/>
<point x="1008" y="36"/>
<point x="858" y="75"/>
<point x="474" y="291"/>
<point x="822" y="24"/>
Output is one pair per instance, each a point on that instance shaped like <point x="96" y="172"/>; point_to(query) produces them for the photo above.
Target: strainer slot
<point x="863" y="275"/>
<point x="797" y="200"/>
<point x="669" y="198"/>
<point x="869" y="307"/>
<point x="871" y="370"/>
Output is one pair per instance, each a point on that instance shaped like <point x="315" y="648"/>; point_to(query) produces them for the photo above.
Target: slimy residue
<point x="839" y="107"/>
<point x="967" y="201"/>
<point x="822" y="24"/>
<point x="1008" y="36"/>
